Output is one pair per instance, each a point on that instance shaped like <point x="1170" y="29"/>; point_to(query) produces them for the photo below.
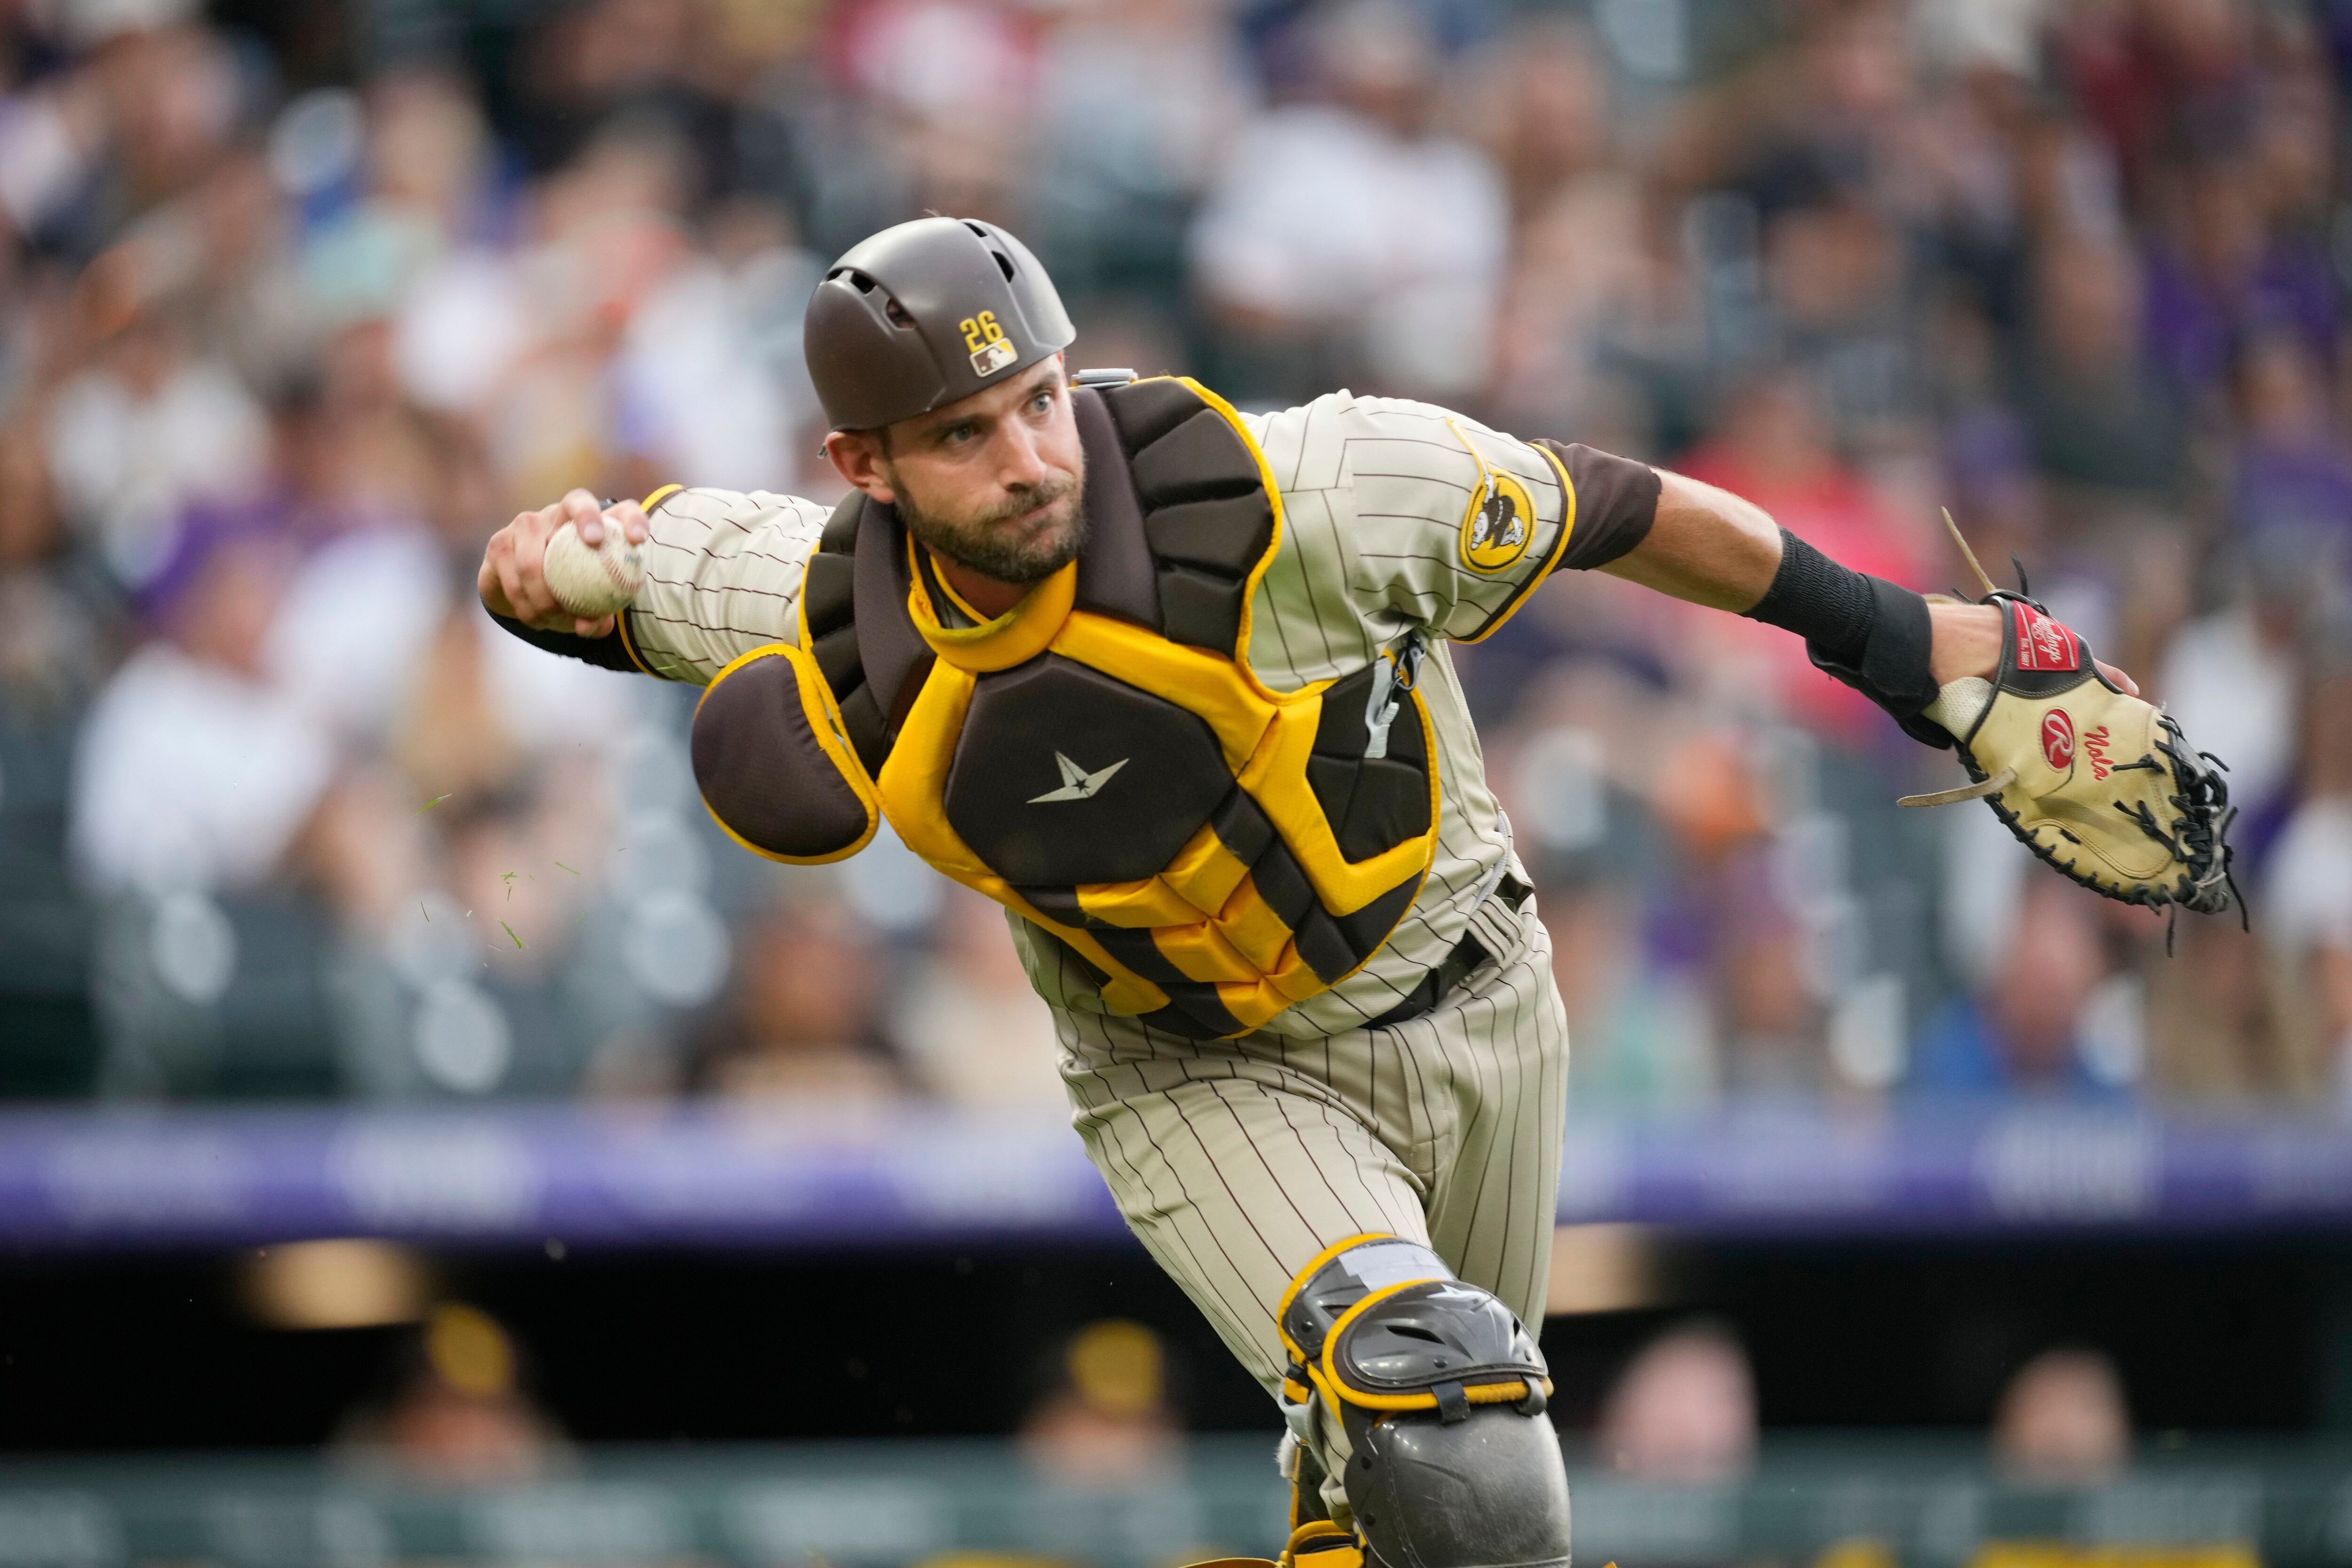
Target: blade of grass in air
<point x="429" y="805"/>
<point x="509" y="930"/>
<point x="561" y="866"/>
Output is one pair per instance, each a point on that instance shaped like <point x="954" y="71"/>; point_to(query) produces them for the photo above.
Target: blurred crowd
<point x="299" y="301"/>
<point x="1679" y="1407"/>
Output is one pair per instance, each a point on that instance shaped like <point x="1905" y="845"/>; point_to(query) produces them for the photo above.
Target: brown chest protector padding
<point x="859" y="575"/>
<point x="1373" y="802"/>
<point x="1169" y="773"/>
<point x="1207" y="520"/>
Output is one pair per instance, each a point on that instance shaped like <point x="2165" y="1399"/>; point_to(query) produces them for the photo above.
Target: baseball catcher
<point x="1170" y="682"/>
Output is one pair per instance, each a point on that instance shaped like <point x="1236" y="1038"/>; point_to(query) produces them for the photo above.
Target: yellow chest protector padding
<point x="1103" y="761"/>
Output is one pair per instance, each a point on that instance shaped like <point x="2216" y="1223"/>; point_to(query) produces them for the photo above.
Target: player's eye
<point x="958" y="433"/>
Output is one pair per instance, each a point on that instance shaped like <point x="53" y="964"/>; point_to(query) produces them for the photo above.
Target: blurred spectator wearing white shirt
<point x="1348" y="228"/>
<point x="141" y="433"/>
<point x="194" y="771"/>
<point x="2308" y="918"/>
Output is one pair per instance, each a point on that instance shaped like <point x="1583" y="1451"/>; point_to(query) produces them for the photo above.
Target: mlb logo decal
<point x="2044" y="644"/>
<point x="991" y="349"/>
<point x="2058" y="739"/>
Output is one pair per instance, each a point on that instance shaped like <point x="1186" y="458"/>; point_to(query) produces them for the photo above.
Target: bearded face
<point x="992" y="484"/>
<point x="1022" y="534"/>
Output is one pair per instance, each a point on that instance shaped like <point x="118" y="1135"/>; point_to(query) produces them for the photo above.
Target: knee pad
<point x="1441" y="1394"/>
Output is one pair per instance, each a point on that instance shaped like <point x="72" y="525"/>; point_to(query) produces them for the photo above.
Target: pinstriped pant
<point x="1236" y="1161"/>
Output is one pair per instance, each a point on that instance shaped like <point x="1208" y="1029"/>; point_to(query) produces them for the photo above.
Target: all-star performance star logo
<point x="1077" y="783"/>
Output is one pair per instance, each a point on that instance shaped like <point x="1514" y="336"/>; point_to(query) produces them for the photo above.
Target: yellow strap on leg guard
<point x="1357" y="1319"/>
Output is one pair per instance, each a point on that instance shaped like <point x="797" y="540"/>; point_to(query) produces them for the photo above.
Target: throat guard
<point x="1101" y="759"/>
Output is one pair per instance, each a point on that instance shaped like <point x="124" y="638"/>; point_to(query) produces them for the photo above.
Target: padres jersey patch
<point x="1499" y="523"/>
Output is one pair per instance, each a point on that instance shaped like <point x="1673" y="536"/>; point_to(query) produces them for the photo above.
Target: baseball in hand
<point x="589" y="580"/>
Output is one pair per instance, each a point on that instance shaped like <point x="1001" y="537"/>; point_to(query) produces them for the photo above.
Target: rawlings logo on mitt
<point x="2097" y="781"/>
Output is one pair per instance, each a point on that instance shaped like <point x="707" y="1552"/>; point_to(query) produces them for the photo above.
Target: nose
<point x="1019" y="463"/>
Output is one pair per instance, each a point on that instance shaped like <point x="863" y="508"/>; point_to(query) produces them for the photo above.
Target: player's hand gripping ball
<point x="594" y="579"/>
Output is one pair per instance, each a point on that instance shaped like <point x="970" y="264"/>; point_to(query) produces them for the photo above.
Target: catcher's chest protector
<point x="1101" y="759"/>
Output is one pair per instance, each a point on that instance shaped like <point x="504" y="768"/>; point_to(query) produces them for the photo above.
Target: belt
<point x="1455" y="967"/>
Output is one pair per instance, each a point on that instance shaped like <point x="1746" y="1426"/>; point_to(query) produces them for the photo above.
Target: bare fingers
<point x="632" y="519"/>
<point x="583" y="513"/>
<point x="514" y="570"/>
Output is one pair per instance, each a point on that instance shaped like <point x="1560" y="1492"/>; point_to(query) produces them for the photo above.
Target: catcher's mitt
<point x="2097" y="781"/>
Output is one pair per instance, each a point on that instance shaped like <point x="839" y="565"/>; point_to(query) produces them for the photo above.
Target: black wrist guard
<point x="1869" y="633"/>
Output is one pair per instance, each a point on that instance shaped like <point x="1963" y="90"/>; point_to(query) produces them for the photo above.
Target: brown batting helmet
<point x="925" y="313"/>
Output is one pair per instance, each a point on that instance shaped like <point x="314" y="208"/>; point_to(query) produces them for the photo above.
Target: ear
<point x="857" y="457"/>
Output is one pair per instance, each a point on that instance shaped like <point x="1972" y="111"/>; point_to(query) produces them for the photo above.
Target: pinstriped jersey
<point x="1397" y="517"/>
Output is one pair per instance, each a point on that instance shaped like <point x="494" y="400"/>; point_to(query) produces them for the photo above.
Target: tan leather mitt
<point x="2098" y="783"/>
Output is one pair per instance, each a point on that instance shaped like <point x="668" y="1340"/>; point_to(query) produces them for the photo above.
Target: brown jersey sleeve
<point x="1616" y="502"/>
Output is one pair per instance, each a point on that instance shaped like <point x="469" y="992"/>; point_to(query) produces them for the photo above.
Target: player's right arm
<point x="723" y="572"/>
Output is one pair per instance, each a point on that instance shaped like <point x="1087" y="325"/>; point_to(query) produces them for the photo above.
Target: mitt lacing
<point x="2199" y="837"/>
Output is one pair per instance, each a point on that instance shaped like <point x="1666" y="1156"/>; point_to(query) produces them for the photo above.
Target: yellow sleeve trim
<point x="1558" y="551"/>
<point x="621" y="621"/>
<point x="629" y="644"/>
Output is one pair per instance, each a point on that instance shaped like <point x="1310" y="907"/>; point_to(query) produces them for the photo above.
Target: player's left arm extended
<point x="2098" y="783"/>
<point x="1716" y="549"/>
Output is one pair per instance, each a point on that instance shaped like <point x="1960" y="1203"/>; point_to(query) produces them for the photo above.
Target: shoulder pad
<point x="773" y="763"/>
